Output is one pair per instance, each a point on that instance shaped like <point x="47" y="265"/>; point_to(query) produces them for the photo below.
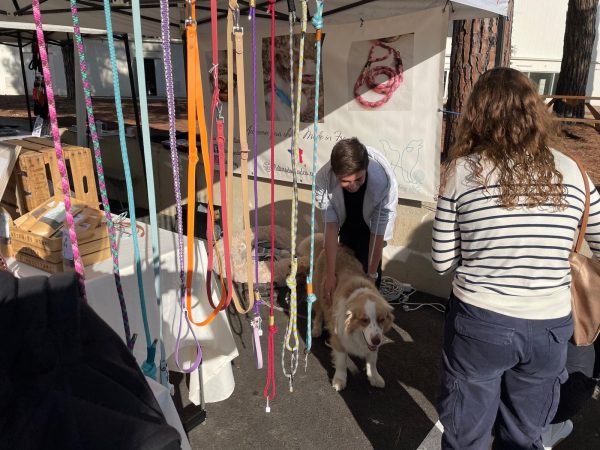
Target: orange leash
<point x="196" y="112"/>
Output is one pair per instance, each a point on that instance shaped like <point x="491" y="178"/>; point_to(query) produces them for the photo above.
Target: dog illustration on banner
<point x="405" y="162"/>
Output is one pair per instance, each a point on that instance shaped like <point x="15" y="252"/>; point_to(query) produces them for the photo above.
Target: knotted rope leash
<point x="317" y="22"/>
<point x="270" y="388"/>
<point x="369" y="75"/>
<point x="168" y="70"/>
<point x="256" y="321"/>
<point x="292" y="327"/>
<point x="148" y="369"/>
<point x="238" y="38"/>
<point x="62" y="168"/>
<point x="112" y="232"/>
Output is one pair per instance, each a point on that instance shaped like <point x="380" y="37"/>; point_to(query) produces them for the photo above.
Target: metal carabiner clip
<point x="236" y="20"/>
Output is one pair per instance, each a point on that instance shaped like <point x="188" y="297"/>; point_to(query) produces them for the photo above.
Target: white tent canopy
<point x="57" y="12"/>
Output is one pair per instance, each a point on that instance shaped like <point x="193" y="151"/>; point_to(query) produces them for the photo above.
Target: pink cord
<point x="368" y="76"/>
<point x="57" y="145"/>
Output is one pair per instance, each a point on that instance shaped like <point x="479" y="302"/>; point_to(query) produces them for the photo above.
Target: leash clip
<point x="236" y="20"/>
<point x="189" y="20"/>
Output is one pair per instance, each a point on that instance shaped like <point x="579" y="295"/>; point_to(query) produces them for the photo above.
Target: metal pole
<point x="136" y="110"/>
<point x="24" y="74"/>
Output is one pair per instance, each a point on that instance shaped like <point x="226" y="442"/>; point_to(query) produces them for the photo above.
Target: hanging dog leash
<point x="62" y="168"/>
<point x="168" y="71"/>
<point x="155" y="239"/>
<point x="292" y="327"/>
<point x="238" y="35"/>
<point x="196" y="114"/>
<point x="112" y="232"/>
<point x="317" y="22"/>
<point x="270" y="387"/>
<point x="256" y="321"/>
<point x="148" y="369"/>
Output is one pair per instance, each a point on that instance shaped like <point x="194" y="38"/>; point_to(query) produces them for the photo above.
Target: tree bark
<point x="580" y="34"/>
<point x="67" y="49"/>
<point x="477" y="45"/>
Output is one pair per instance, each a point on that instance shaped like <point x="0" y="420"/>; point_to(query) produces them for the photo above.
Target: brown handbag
<point x="585" y="282"/>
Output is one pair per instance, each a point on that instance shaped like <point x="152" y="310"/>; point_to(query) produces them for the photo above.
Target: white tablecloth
<point x="165" y="402"/>
<point x="218" y="346"/>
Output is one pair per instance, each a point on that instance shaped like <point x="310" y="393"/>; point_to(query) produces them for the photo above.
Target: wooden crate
<point x="37" y="237"/>
<point x="50" y="267"/>
<point x="37" y="178"/>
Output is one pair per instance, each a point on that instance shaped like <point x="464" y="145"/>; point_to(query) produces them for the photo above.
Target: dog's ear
<point x="350" y="324"/>
<point x="388" y="321"/>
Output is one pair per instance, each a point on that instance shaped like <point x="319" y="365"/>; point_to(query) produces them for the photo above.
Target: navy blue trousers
<point x="499" y="373"/>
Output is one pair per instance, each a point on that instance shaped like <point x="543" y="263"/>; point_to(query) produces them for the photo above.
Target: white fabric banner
<point x="403" y="55"/>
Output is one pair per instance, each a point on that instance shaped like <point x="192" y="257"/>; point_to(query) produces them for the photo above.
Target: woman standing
<point x="507" y="215"/>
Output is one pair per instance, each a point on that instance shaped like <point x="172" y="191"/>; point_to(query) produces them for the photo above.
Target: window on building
<point x="545" y="82"/>
<point x="150" y="70"/>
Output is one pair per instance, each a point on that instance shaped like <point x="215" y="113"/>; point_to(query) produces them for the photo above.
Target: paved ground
<point x="314" y="416"/>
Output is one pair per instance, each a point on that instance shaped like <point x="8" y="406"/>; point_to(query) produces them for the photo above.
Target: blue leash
<point x="148" y="367"/>
<point x="139" y="59"/>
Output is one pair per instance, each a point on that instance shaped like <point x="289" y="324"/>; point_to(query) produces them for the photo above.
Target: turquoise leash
<point x="317" y="22"/>
<point x="141" y="76"/>
<point x="148" y="367"/>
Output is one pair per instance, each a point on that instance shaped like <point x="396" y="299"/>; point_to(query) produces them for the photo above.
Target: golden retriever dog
<point x="357" y="316"/>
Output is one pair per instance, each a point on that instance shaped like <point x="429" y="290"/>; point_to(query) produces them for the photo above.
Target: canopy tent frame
<point x="30" y="39"/>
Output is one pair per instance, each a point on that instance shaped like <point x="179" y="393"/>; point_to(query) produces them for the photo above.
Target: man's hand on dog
<point x="330" y="284"/>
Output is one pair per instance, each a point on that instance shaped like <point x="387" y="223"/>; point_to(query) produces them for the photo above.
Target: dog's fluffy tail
<point x="304" y="246"/>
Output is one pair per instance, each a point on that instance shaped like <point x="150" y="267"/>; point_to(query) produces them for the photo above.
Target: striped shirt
<point x="513" y="262"/>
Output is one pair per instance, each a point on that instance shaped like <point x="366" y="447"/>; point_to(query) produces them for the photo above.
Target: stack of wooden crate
<point x="35" y="177"/>
<point x="37" y="237"/>
<point x="34" y="198"/>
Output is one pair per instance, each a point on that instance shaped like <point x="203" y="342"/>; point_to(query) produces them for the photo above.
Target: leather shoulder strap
<point x="586" y="208"/>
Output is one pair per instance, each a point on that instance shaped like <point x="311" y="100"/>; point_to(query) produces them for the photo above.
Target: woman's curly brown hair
<point x="505" y="123"/>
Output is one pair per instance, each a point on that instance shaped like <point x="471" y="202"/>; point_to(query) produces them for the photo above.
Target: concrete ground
<point x="315" y="416"/>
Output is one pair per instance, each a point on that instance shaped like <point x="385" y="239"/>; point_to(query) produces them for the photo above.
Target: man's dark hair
<point x="348" y="157"/>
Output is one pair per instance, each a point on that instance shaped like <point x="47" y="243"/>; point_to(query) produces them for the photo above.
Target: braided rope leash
<point x="112" y="232"/>
<point x="317" y="22"/>
<point x="62" y="168"/>
<point x="168" y="71"/>
<point x="270" y="389"/>
<point x="368" y="75"/>
<point x="256" y="321"/>
<point x="148" y="369"/>
<point x="292" y="328"/>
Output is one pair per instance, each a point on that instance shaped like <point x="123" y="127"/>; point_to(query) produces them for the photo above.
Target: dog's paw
<point x="338" y="384"/>
<point x="377" y="381"/>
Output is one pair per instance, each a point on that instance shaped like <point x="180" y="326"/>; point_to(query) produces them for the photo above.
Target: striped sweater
<point x="513" y="262"/>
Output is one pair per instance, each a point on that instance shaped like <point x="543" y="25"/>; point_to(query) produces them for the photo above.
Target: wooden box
<point x="37" y="237"/>
<point x="36" y="177"/>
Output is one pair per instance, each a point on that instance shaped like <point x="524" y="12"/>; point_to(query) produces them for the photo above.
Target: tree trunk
<point x="580" y="34"/>
<point x="476" y="47"/>
<point x="68" y="48"/>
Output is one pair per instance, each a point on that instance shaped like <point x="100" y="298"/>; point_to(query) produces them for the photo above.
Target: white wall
<point x="99" y="66"/>
<point x="537" y="40"/>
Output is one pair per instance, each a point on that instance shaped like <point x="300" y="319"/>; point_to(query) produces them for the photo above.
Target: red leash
<point x="272" y="329"/>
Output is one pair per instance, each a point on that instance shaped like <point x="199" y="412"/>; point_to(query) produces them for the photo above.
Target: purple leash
<point x="166" y="42"/>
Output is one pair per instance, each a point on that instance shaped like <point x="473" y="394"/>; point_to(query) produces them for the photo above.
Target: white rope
<point x="397" y="293"/>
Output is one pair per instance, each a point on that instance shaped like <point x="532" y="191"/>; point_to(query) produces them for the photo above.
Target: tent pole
<point x="136" y="111"/>
<point x="24" y="74"/>
<point x="80" y="114"/>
